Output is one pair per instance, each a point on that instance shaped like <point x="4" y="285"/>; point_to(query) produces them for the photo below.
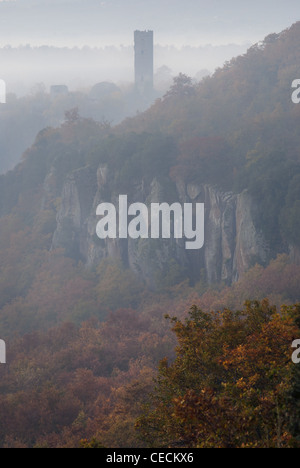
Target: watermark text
<point x="296" y="354"/>
<point x="162" y="221"/>
<point x="2" y="92"/>
<point x="296" y="93"/>
<point x="2" y="352"/>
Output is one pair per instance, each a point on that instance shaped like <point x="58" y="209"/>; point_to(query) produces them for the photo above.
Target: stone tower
<point x="143" y="64"/>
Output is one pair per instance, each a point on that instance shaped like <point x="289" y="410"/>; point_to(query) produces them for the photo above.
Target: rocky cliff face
<point x="232" y="242"/>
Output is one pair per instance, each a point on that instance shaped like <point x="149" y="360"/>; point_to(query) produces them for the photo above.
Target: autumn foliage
<point x="91" y="362"/>
<point x="229" y="384"/>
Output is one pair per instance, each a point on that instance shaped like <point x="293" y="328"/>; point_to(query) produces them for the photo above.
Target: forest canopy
<point x="91" y="360"/>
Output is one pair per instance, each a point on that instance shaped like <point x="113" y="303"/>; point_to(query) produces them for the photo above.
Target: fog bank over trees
<point x="97" y="81"/>
<point x="24" y="66"/>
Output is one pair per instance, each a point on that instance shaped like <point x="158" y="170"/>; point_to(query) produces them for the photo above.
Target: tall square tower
<point x="143" y="63"/>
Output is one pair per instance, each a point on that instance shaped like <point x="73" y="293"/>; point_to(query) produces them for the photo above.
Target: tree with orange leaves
<point x="228" y="386"/>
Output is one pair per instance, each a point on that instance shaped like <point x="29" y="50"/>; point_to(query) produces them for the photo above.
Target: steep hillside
<point x="230" y="142"/>
<point x="83" y="318"/>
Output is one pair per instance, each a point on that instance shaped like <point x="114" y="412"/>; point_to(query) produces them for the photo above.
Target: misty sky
<point x="178" y="22"/>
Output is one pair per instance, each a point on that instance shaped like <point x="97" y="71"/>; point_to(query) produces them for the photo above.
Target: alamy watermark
<point x="296" y="100"/>
<point x="296" y="93"/>
<point x="2" y="92"/>
<point x="296" y="354"/>
<point x="161" y="221"/>
<point x="2" y="352"/>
